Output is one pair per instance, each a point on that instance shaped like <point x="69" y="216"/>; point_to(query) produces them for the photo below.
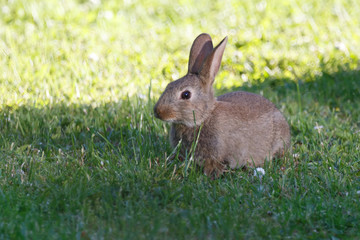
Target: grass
<point x="81" y="155"/>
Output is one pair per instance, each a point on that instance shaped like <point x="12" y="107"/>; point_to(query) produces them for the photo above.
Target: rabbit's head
<point x="190" y="99"/>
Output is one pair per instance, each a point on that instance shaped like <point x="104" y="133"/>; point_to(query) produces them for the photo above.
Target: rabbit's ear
<point x="212" y="63"/>
<point x="201" y="48"/>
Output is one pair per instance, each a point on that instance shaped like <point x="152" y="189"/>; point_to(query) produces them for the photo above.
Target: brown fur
<point x="239" y="128"/>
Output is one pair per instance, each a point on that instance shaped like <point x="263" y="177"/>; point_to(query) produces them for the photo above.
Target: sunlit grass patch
<point x="89" y="51"/>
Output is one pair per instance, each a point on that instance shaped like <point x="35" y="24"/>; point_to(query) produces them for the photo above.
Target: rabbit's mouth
<point x="171" y="118"/>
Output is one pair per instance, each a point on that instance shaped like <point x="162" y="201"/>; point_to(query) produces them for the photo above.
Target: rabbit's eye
<point x="185" y="95"/>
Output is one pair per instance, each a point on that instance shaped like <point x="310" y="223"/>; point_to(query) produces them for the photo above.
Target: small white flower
<point x="296" y="155"/>
<point x="259" y="172"/>
<point x="318" y="127"/>
<point x="358" y="192"/>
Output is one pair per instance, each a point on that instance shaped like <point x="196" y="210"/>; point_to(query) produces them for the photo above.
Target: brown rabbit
<point x="238" y="128"/>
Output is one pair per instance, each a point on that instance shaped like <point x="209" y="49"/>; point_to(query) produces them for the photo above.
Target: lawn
<point x="82" y="156"/>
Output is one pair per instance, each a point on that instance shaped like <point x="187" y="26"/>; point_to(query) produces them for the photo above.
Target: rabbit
<point x="239" y="129"/>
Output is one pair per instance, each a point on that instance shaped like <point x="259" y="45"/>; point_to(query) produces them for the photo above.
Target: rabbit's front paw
<point x="213" y="169"/>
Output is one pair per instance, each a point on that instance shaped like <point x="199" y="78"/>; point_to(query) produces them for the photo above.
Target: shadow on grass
<point x="121" y="127"/>
<point x="335" y="90"/>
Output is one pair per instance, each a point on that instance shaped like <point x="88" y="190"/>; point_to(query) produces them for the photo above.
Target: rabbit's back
<point x="248" y="105"/>
<point x="250" y="128"/>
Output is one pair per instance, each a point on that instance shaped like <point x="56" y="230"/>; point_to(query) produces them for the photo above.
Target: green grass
<point x="81" y="155"/>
